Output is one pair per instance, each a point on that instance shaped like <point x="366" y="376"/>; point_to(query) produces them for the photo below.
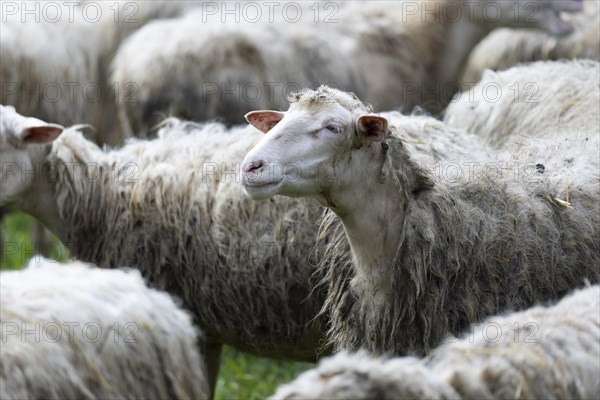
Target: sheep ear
<point x="264" y="120"/>
<point x="372" y="128"/>
<point x="41" y="133"/>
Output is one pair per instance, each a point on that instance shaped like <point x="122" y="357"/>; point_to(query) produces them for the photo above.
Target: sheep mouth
<point x="568" y="7"/>
<point x="257" y="184"/>
<point x="559" y="21"/>
<point x="259" y="190"/>
<point x="564" y="23"/>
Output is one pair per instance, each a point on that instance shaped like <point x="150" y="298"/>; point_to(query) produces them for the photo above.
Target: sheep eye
<point x="334" y="128"/>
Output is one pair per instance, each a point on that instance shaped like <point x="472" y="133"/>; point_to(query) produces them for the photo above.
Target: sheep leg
<point x="212" y="358"/>
<point x="40" y="238"/>
<point x="3" y="211"/>
<point x="124" y="123"/>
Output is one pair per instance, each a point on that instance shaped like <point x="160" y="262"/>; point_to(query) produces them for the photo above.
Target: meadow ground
<point x="242" y="376"/>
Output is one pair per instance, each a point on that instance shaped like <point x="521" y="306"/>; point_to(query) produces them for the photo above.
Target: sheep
<point x="63" y="77"/>
<point x="402" y="54"/>
<point x="530" y="100"/>
<point x="412" y="255"/>
<point x="543" y="353"/>
<point x="75" y="331"/>
<point x="172" y="207"/>
<point x="505" y="48"/>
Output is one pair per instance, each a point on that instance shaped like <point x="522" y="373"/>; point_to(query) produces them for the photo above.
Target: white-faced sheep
<point x="54" y="58"/>
<point x="413" y="255"/>
<point x="505" y="48"/>
<point x="394" y="54"/>
<point x="541" y="353"/>
<point x="530" y="100"/>
<point x="74" y="331"/>
<point x="173" y="208"/>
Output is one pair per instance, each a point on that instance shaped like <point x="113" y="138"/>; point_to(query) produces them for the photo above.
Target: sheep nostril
<point x="253" y="166"/>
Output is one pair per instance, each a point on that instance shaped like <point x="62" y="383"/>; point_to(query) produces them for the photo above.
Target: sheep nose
<point x="253" y="166"/>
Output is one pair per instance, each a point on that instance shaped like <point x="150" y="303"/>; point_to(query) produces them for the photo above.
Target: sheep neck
<point x="460" y="39"/>
<point x="372" y="221"/>
<point x="40" y="204"/>
<point x="443" y="47"/>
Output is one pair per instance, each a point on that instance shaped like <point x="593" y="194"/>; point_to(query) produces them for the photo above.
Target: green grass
<point x="242" y="376"/>
<point x="17" y="244"/>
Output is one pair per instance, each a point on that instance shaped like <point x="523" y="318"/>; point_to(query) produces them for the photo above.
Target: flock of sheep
<point x="458" y="251"/>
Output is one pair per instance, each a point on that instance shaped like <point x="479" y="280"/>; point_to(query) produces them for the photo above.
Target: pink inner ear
<point x="264" y="121"/>
<point x="42" y="134"/>
<point x="373" y="127"/>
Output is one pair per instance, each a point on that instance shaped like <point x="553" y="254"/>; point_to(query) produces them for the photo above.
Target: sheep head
<point x="22" y="141"/>
<point x="546" y="15"/>
<point x="325" y="142"/>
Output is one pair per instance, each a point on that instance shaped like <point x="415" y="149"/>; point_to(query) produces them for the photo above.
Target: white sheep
<point x="543" y="353"/>
<point x="529" y="100"/>
<point x="505" y="48"/>
<point x="411" y="254"/>
<point x="393" y="54"/>
<point x="173" y="208"/>
<point x="54" y="58"/>
<point x="75" y="331"/>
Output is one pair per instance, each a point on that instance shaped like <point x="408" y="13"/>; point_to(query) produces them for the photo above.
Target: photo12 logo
<point x="53" y="332"/>
<point x="269" y="11"/>
<point x="69" y="11"/>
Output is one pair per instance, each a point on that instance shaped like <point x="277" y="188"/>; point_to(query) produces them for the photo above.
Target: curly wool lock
<point x="75" y="331"/>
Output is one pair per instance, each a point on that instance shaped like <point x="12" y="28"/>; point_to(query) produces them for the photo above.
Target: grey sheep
<point x="412" y="255"/>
